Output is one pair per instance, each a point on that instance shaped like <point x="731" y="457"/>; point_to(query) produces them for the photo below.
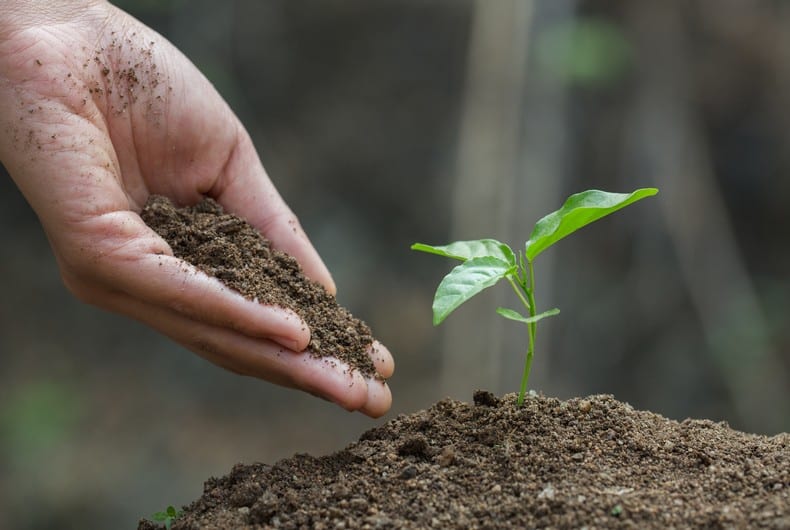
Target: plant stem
<point x="531" y="294"/>
<point x="520" y="296"/>
<point x="532" y="327"/>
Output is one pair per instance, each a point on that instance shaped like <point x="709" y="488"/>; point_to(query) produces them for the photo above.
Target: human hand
<point x="98" y="112"/>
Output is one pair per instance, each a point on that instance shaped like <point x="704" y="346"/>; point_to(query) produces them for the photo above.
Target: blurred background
<point x="385" y="123"/>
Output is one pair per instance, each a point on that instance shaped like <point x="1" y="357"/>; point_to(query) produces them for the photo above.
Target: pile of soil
<point x="229" y="248"/>
<point x="594" y="463"/>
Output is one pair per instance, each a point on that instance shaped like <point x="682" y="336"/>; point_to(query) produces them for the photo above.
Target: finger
<point x="245" y="189"/>
<point x="133" y="259"/>
<point x="379" y="398"/>
<point x="382" y="359"/>
<point x="260" y="358"/>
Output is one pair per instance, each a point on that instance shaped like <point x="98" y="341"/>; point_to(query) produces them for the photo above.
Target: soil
<point x="583" y="463"/>
<point x="229" y="248"/>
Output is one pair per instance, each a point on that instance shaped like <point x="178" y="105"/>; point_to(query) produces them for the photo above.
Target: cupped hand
<point x="98" y="112"/>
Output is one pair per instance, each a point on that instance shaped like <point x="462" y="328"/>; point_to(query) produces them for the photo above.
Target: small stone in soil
<point x="485" y="398"/>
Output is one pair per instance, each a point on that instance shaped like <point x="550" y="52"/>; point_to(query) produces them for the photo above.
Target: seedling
<point x="168" y="516"/>
<point x="487" y="261"/>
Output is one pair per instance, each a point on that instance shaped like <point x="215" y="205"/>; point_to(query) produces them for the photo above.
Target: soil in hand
<point x="227" y="247"/>
<point x="593" y="462"/>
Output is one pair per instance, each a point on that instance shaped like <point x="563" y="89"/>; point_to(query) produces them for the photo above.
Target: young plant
<point x="487" y="261"/>
<point x="167" y="517"/>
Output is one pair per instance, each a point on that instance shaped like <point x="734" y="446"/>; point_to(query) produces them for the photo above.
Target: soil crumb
<point x="582" y="463"/>
<point x="229" y="248"/>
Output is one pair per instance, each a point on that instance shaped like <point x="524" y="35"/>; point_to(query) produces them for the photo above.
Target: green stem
<point x="531" y="294"/>
<point x="530" y="290"/>
<point x="518" y="293"/>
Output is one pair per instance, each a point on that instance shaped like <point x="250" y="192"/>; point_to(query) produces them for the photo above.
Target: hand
<point x="98" y="112"/>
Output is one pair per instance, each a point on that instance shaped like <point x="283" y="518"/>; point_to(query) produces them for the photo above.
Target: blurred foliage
<point x="37" y="416"/>
<point x="586" y="51"/>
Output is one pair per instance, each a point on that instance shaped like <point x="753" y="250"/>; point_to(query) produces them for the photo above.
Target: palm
<point x="99" y="124"/>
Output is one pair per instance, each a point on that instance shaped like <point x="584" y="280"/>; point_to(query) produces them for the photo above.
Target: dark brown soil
<point x="230" y="249"/>
<point x="583" y="463"/>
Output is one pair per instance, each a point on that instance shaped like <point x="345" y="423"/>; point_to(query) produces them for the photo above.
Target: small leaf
<point x="511" y="314"/>
<point x="159" y="516"/>
<point x="465" y="250"/>
<point x="465" y="281"/>
<point x="171" y="511"/>
<point x="518" y="317"/>
<point x="579" y="210"/>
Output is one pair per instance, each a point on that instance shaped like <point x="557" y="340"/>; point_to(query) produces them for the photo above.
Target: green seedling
<point x="168" y="516"/>
<point x="487" y="261"/>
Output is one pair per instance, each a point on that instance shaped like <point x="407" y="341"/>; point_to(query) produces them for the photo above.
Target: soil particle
<point x="482" y="397"/>
<point x="414" y="446"/>
<point x="635" y="470"/>
<point x="227" y="247"/>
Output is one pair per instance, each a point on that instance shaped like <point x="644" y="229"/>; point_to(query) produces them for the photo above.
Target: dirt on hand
<point x="229" y="248"/>
<point x="594" y="463"/>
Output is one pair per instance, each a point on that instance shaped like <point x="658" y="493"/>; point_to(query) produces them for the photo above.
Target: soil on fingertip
<point x="582" y="463"/>
<point x="230" y="249"/>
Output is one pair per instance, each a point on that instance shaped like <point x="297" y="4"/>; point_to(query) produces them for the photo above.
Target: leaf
<point x="579" y="210"/>
<point x="168" y="516"/>
<point x="465" y="281"/>
<point x="465" y="250"/>
<point x="511" y="314"/>
<point x="518" y="317"/>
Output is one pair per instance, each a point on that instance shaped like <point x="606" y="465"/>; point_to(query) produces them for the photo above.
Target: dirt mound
<point x="593" y="462"/>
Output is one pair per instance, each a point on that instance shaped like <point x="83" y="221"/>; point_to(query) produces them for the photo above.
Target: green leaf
<point x="465" y="250"/>
<point x="518" y="317"/>
<point x="511" y="314"/>
<point x="579" y="210"/>
<point x="168" y="516"/>
<point x="465" y="281"/>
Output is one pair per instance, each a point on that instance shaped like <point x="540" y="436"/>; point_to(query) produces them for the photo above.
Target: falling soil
<point x="227" y="247"/>
<point x="583" y="463"/>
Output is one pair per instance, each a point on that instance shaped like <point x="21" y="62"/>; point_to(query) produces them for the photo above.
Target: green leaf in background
<point x="465" y="281"/>
<point x="579" y="210"/>
<point x="36" y="416"/>
<point x="464" y="250"/>
<point x="586" y="51"/>
<point x="518" y="317"/>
